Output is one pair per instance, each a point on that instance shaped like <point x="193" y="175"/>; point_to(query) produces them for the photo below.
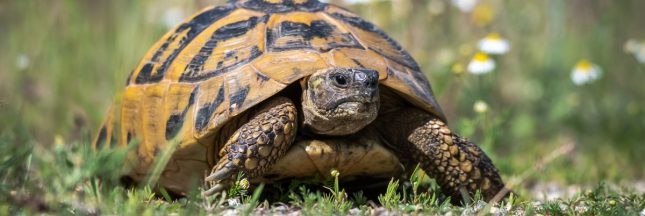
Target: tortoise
<point x="282" y="89"/>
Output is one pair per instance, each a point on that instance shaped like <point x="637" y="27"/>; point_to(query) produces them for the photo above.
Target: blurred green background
<point x="62" y="62"/>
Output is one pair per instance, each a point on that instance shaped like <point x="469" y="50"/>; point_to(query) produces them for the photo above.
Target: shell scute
<point x="248" y="87"/>
<point x="354" y="58"/>
<point x="289" y="66"/>
<point x="210" y="100"/>
<point x="374" y="38"/>
<point x="230" y="46"/>
<point x="413" y="86"/>
<point x="154" y="65"/>
<point x="152" y="119"/>
<point x="178" y="106"/>
<point x="282" y="6"/>
<point x="311" y="31"/>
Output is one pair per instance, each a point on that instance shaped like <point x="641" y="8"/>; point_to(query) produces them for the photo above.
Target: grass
<point x="62" y="63"/>
<point x="66" y="181"/>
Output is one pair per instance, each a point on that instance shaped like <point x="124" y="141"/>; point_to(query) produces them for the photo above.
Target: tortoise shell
<point x="226" y="59"/>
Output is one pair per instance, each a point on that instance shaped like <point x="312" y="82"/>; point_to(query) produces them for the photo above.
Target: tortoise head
<point x="340" y="101"/>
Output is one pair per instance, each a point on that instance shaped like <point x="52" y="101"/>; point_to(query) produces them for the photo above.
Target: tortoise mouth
<point x="346" y="118"/>
<point x="356" y="102"/>
<point x="353" y="107"/>
<point x="351" y="110"/>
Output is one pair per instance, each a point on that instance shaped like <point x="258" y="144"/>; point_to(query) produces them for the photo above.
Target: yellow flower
<point x="585" y="72"/>
<point x="481" y="64"/>
<point x="457" y="69"/>
<point x="483" y="14"/>
<point x="494" y="44"/>
<point x="59" y="140"/>
<point x="244" y="183"/>
<point x="334" y="173"/>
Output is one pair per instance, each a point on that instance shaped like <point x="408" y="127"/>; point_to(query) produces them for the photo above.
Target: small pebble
<point x="230" y="212"/>
<point x="233" y="202"/>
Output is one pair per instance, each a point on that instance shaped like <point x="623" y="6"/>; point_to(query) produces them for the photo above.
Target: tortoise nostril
<point x="370" y="83"/>
<point x="366" y="78"/>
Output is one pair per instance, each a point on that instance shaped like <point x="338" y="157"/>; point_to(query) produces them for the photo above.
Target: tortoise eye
<point x="340" y="80"/>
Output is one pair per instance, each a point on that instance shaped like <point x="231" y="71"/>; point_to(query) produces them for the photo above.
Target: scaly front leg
<point x="256" y="145"/>
<point x="459" y="166"/>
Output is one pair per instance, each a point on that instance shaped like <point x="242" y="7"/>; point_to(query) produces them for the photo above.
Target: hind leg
<point x="256" y="145"/>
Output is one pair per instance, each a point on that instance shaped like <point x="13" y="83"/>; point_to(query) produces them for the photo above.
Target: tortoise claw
<point x="215" y="189"/>
<point x="220" y="179"/>
<point x="221" y="174"/>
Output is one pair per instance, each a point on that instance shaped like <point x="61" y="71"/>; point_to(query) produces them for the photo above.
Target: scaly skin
<point x="256" y="145"/>
<point x="459" y="166"/>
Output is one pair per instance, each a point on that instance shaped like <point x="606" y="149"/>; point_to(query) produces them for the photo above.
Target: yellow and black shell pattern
<point x="226" y="59"/>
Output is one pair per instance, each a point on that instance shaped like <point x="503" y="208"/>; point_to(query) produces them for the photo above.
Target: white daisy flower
<point x="637" y="49"/>
<point x="480" y="107"/>
<point x="172" y="17"/>
<point x="585" y="72"/>
<point x="631" y="46"/>
<point x="465" y="6"/>
<point x="640" y="54"/>
<point x="22" y="62"/>
<point x="481" y="64"/>
<point x="494" y="44"/>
